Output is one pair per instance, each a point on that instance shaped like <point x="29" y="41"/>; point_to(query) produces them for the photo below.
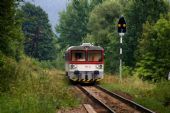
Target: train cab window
<point x="95" y="56"/>
<point x="78" y="56"/>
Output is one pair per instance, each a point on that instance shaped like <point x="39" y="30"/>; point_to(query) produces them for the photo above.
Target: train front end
<point x="85" y="63"/>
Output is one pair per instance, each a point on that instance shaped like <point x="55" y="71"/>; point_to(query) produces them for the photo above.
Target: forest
<point x="31" y="53"/>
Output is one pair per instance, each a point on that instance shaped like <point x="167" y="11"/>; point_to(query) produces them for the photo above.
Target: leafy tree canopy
<point x="10" y="30"/>
<point x="154" y="55"/>
<point x="73" y="22"/>
<point x="137" y="13"/>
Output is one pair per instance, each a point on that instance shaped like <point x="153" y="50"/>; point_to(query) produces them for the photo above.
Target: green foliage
<point x="39" y="38"/>
<point x="10" y="30"/>
<point x="152" y="103"/>
<point x="137" y="13"/>
<point x="58" y="63"/>
<point x="34" y="90"/>
<point x="102" y="22"/>
<point x="161" y="92"/>
<point x="72" y="27"/>
<point x="159" y="97"/>
<point x="102" y="31"/>
<point x="73" y="22"/>
<point x="94" y="3"/>
<point x="153" y="54"/>
<point x="7" y="72"/>
<point x="153" y="96"/>
<point x="127" y="71"/>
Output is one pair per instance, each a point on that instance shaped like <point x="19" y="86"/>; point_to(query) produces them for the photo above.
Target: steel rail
<point x="95" y="99"/>
<point x="127" y="101"/>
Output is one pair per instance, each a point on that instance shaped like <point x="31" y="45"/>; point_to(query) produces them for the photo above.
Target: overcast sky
<point x="52" y="7"/>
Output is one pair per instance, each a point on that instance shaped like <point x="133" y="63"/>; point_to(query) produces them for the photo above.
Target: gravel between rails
<point x="113" y="103"/>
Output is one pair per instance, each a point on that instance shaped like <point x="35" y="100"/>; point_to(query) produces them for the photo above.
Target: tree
<point x="94" y="3"/>
<point x="154" y="55"/>
<point x="39" y="38"/>
<point x="72" y="27"/>
<point x="137" y="13"/>
<point x="10" y="31"/>
<point x="102" y="31"/>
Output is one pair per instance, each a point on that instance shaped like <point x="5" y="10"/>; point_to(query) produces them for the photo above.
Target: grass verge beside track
<point x="153" y="96"/>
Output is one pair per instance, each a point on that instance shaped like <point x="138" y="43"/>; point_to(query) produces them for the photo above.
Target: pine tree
<point x="39" y="38"/>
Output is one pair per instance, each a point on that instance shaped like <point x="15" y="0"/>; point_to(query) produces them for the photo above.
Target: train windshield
<point x="95" y="56"/>
<point x="78" y="56"/>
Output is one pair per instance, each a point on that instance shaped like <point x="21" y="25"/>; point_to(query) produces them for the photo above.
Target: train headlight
<point x="72" y="66"/>
<point x="99" y="66"/>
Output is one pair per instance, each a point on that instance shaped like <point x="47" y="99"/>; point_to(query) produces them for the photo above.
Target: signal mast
<point x="121" y="30"/>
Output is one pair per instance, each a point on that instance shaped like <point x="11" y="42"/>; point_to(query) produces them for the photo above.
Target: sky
<point x="52" y="8"/>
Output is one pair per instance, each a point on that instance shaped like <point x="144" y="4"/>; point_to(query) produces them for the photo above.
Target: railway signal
<point x="121" y="30"/>
<point x="122" y="25"/>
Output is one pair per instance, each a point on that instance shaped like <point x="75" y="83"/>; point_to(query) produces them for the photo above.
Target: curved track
<point x="112" y="102"/>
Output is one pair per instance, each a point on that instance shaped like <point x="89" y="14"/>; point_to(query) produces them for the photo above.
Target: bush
<point x="162" y="93"/>
<point x="157" y="99"/>
<point x="127" y="71"/>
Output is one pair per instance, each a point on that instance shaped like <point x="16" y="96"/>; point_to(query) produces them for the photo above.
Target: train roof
<point x="85" y="46"/>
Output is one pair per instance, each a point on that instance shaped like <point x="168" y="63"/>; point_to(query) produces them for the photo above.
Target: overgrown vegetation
<point x="153" y="96"/>
<point x="33" y="89"/>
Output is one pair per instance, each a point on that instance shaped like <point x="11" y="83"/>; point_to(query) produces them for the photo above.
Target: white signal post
<point x="120" y="67"/>
<point x="121" y="31"/>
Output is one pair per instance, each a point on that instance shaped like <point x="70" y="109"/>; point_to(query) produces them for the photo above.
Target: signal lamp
<point x="119" y="25"/>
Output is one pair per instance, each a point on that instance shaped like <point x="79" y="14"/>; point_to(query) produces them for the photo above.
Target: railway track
<point x="112" y="102"/>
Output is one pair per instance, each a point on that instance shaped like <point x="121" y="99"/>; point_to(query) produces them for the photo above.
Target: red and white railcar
<point x="85" y="63"/>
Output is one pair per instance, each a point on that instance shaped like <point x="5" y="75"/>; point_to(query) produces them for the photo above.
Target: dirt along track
<point x="110" y="103"/>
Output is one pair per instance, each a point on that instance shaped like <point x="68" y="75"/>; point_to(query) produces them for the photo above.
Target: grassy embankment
<point x="153" y="96"/>
<point x="28" y="87"/>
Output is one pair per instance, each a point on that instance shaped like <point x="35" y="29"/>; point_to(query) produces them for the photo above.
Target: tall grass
<point x="132" y="85"/>
<point x="33" y="89"/>
<point x="154" y="96"/>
